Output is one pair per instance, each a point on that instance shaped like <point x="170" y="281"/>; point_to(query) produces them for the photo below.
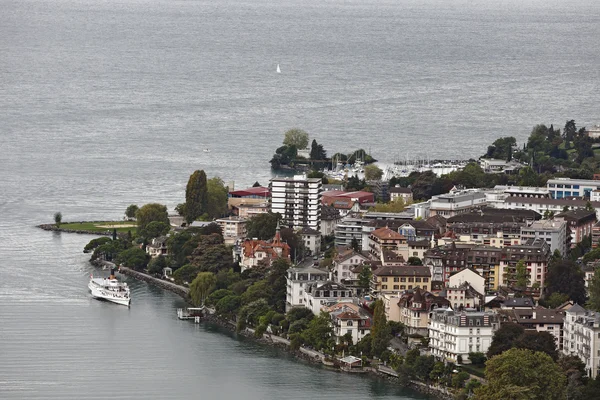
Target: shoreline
<point x="311" y="356"/>
<point x="54" y="228"/>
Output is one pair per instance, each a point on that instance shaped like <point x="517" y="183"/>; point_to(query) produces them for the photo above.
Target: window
<point x="425" y="279"/>
<point x="402" y="287"/>
<point x="402" y="279"/>
<point x="349" y="323"/>
<point x="384" y="279"/>
<point x="396" y="287"/>
<point x="396" y="279"/>
<point x="384" y="286"/>
<point x="410" y="286"/>
<point x="417" y="279"/>
<point x="411" y="279"/>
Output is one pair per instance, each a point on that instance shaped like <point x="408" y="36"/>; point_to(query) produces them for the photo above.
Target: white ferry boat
<point x="110" y="289"/>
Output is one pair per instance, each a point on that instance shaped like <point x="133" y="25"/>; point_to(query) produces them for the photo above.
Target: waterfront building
<point x="400" y="277"/>
<point x="158" y="247"/>
<point x="496" y="166"/>
<point x="581" y="337"/>
<point x="296" y="281"/>
<point x="233" y="228"/>
<point x="553" y="231"/>
<point x="319" y="294"/>
<point x="348" y="318"/>
<point x="580" y="223"/>
<point x="298" y="201"/>
<point x="458" y="333"/>
<point x="566" y="187"/>
<point x="535" y="253"/>
<point x="414" y="308"/>
<point x="344" y="262"/>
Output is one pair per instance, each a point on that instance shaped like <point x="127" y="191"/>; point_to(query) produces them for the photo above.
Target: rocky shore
<point x="54" y="228"/>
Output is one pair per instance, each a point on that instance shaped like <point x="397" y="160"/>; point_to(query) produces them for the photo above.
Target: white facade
<point x="553" y="231"/>
<point x="456" y="202"/>
<point x="319" y="294"/>
<point x="344" y="264"/>
<point x="453" y="334"/>
<point x="566" y="187"/>
<point x="312" y="240"/>
<point x="349" y="318"/>
<point x="297" y="280"/>
<point x="233" y="228"/>
<point x="298" y="200"/>
<point x="581" y="337"/>
<point x="469" y="276"/>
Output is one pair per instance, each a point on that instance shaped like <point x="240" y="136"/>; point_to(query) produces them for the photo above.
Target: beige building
<point x="233" y="228"/>
<point x="397" y="279"/>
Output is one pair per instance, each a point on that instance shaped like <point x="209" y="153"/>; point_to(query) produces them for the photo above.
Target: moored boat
<point x="110" y="289"/>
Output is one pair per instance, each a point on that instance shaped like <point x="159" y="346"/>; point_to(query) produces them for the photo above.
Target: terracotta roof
<point x="387" y="234"/>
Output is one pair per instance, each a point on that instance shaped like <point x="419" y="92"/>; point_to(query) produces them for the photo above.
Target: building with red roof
<point x="261" y="251"/>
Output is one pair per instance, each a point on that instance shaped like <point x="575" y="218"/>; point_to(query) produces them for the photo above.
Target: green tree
<point x="364" y="277"/>
<point x="395" y="206"/>
<point x="521" y="275"/>
<point x="556" y="299"/>
<point x="211" y="254"/>
<point x="228" y="305"/>
<point x="131" y="210"/>
<point x="157" y="264"/>
<point x="201" y="287"/>
<point x="297" y="138"/>
<point x="380" y="332"/>
<point x="134" y="258"/>
<point x="319" y="333"/>
<point x="522" y="375"/>
<point x="150" y="213"/>
<point x="354" y="244"/>
<point x="503" y="338"/>
<point x="537" y="341"/>
<point x="262" y="226"/>
<point x="216" y="204"/>
<point x="58" y="219"/>
<point x="477" y="358"/>
<point x="94" y="243"/>
<point x="156" y="228"/>
<point x="256" y="184"/>
<point x="594" y="291"/>
<point x="373" y="172"/>
<point x="414" y="261"/>
<point x="565" y="276"/>
<point x="196" y="196"/>
<point x="185" y="274"/>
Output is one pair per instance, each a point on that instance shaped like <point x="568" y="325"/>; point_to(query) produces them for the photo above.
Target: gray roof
<point x="576" y="309"/>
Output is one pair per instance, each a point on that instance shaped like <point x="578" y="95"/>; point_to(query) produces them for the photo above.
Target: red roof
<point x="258" y="191"/>
<point x="333" y="196"/>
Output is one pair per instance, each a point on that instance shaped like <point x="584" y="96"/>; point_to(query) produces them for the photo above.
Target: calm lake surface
<point x="108" y="103"/>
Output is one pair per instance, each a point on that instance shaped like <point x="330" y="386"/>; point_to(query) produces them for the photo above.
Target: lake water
<point x="108" y="103"/>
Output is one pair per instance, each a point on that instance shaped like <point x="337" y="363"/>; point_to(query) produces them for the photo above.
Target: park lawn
<point x="103" y="226"/>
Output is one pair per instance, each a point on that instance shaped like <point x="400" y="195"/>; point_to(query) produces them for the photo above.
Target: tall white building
<point x="453" y="334"/>
<point x="298" y="200"/>
<point x="581" y="337"/>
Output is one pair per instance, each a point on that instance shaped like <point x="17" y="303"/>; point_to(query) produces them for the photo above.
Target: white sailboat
<point x="278" y="69"/>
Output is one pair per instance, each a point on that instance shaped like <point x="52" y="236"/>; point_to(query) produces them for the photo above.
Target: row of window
<point x="401" y="287"/>
<point x="396" y="279"/>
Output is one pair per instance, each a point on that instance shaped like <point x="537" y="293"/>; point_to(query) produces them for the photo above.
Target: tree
<point x="477" y="358"/>
<point x="297" y="138"/>
<point x="262" y="226"/>
<point x="537" y="341"/>
<point x="319" y="333"/>
<point x="318" y="155"/>
<point x="196" y="196"/>
<point x="395" y="206"/>
<point x="522" y="375"/>
<point x="256" y="184"/>
<point x="201" y="287"/>
<point x="150" y="213"/>
<point x="503" y="338"/>
<point x="94" y="243"/>
<point x="556" y="299"/>
<point x="134" y="258"/>
<point x="58" y="219"/>
<point x="228" y="305"/>
<point x="295" y="242"/>
<point x="157" y="264"/>
<point x="354" y="244"/>
<point x="521" y="275"/>
<point x="594" y="291"/>
<point x="373" y="172"/>
<point x="414" y="261"/>
<point x="155" y="229"/>
<point x="380" y="332"/>
<point x="211" y="254"/>
<point x="216" y="205"/>
<point x="364" y="277"/>
<point x="131" y="210"/>
<point x="565" y="276"/>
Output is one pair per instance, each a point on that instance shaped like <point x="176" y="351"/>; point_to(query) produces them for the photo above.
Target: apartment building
<point x="297" y="280"/>
<point x="298" y="200"/>
<point x="581" y="337"/>
<point x="535" y="253"/>
<point x="553" y="231"/>
<point x="398" y="278"/>
<point x="453" y="334"/>
<point x="565" y="187"/>
<point x="233" y="228"/>
<point x="580" y="223"/>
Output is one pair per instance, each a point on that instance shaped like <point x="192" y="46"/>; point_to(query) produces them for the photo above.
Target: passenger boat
<point x="110" y="289"/>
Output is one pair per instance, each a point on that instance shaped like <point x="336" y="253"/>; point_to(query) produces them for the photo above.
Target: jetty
<point x="191" y="313"/>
